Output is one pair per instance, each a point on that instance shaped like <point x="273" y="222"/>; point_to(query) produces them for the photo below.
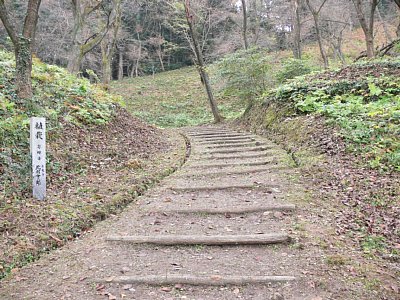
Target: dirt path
<point x="223" y="227"/>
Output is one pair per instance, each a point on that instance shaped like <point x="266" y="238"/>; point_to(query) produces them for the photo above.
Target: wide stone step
<point x="185" y="189"/>
<point x="226" y="141"/>
<point x="239" y="145"/>
<point x="231" y="151"/>
<point x="154" y="221"/>
<point x="229" y="210"/>
<point x="212" y="280"/>
<point x="234" y="164"/>
<point x="223" y="135"/>
<point x="206" y="130"/>
<point x="237" y="170"/>
<point x="209" y="240"/>
<point x="211" y="134"/>
<point x="238" y="156"/>
<point x="218" y="200"/>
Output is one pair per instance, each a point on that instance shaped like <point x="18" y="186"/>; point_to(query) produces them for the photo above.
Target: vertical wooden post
<point x="38" y="152"/>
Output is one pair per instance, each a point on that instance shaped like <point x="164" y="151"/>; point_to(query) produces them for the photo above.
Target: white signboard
<point x="38" y="151"/>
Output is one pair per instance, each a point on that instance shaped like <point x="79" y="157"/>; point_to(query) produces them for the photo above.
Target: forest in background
<point x="120" y="38"/>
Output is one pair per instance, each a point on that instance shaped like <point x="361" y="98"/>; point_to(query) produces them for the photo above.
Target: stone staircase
<point x="225" y="206"/>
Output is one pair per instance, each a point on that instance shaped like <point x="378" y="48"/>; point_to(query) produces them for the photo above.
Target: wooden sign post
<point x="38" y="152"/>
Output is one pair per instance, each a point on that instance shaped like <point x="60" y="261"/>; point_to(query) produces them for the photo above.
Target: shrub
<point x="246" y="74"/>
<point x="292" y="68"/>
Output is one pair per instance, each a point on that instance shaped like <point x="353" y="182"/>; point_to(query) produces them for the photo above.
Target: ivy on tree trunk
<point x="22" y="45"/>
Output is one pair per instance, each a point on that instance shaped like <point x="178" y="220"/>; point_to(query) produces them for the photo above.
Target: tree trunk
<point x="106" y="72"/>
<point x="385" y="28"/>
<point x="160" y="58"/>
<point x="315" y="14"/>
<point x="398" y="30"/>
<point x="137" y="67"/>
<point x="75" y="60"/>
<point x="22" y="45"/>
<point x="201" y="65"/>
<point x="79" y="48"/>
<point x="370" y="44"/>
<point x="108" y="44"/>
<point x="105" y="65"/>
<point x="367" y="27"/>
<point x="23" y="59"/>
<point x="398" y="26"/>
<point x="139" y="56"/>
<point x="297" y="30"/>
<point x="254" y="19"/>
<point x="120" y="63"/>
<point x="244" y="10"/>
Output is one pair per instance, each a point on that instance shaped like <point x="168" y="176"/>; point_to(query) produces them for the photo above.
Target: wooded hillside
<point x="117" y="38"/>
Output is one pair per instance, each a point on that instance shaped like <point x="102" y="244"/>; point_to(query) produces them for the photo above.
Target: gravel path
<point x="230" y="199"/>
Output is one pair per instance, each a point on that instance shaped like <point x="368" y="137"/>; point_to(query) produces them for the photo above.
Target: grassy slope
<point x="90" y="137"/>
<point x="172" y="99"/>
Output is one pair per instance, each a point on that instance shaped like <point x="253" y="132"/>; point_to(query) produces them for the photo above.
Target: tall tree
<point x="366" y="17"/>
<point x="316" y="14"/>
<point x="81" y="44"/>
<point x="244" y="11"/>
<point x="296" y="29"/>
<point x="200" y="61"/>
<point x="108" y="44"/>
<point x="398" y="26"/>
<point x="22" y="45"/>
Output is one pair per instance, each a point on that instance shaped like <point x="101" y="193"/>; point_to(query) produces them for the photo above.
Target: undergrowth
<point x="364" y="105"/>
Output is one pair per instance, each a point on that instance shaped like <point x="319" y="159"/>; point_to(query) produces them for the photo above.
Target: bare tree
<point x="335" y="20"/>
<point x="398" y="26"/>
<point x="22" y="45"/>
<point x="316" y="14"/>
<point x="366" y="20"/>
<point x="81" y="44"/>
<point x="200" y="62"/>
<point x="157" y="43"/>
<point x="108" y="44"/>
<point x="296" y="29"/>
<point x="244" y="11"/>
<point x="388" y="36"/>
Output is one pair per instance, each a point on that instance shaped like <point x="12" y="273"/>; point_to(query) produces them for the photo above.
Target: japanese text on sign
<point x="38" y="151"/>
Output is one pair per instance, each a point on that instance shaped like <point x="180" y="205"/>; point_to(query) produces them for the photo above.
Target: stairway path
<point x="220" y="228"/>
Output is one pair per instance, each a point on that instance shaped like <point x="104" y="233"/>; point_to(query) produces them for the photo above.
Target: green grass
<point x="173" y="99"/>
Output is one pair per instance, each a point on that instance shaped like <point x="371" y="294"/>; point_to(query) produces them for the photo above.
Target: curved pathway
<point x="219" y="228"/>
